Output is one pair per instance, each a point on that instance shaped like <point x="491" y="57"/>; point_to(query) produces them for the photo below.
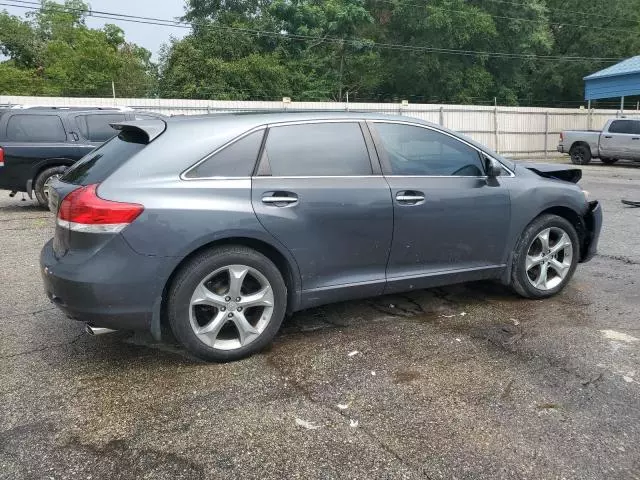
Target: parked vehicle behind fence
<point x="620" y="139"/>
<point x="37" y="144"/>
<point x="220" y="225"/>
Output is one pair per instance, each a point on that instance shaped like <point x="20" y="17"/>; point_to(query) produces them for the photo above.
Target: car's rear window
<point x="102" y="162"/>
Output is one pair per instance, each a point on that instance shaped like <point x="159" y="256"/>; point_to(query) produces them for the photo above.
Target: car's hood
<point x="559" y="172"/>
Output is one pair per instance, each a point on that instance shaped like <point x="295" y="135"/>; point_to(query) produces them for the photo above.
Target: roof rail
<point x="71" y="107"/>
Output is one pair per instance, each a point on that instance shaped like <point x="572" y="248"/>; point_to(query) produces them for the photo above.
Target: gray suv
<point x="221" y="225"/>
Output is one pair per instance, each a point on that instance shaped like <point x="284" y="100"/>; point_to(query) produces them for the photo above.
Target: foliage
<point x="328" y="48"/>
<point x="55" y="53"/>
<point x="463" y="51"/>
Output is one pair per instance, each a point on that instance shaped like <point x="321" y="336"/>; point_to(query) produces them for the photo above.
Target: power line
<point x="300" y="37"/>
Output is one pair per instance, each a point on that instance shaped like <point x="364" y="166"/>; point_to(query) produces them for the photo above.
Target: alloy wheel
<point x="549" y="258"/>
<point x="231" y="307"/>
<point x="48" y="182"/>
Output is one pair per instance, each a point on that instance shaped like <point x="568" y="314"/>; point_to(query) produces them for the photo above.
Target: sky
<point x="150" y="37"/>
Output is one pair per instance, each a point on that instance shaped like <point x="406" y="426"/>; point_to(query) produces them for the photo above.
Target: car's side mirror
<point x="492" y="167"/>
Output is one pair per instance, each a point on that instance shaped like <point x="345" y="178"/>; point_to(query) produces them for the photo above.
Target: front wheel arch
<point x="568" y="214"/>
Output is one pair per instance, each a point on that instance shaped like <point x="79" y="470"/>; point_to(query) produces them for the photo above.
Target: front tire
<point x="227" y="303"/>
<point x="580" y="154"/>
<point x="545" y="258"/>
<point x="43" y="180"/>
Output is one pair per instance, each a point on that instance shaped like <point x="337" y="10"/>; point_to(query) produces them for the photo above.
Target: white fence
<point x="512" y="131"/>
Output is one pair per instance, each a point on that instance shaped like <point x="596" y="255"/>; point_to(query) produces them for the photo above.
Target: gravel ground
<point x="465" y="382"/>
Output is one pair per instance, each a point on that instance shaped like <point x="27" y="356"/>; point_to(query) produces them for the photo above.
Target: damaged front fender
<point x="593" y="223"/>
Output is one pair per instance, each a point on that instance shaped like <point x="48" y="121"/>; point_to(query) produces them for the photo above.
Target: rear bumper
<point x="561" y="148"/>
<point x="113" y="288"/>
<point x="593" y="223"/>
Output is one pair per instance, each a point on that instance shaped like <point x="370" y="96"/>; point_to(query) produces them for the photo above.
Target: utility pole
<point x="113" y="89"/>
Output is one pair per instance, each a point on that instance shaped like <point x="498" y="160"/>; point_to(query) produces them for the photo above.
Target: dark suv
<point x="38" y="144"/>
<point x="220" y="225"/>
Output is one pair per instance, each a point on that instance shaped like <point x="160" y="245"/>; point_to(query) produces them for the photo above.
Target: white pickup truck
<point x="620" y="138"/>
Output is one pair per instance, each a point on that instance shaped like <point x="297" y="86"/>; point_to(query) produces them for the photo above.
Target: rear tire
<point x="580" y="154"/>
<point x="609" y="161"/>
<point x="542" y="268"/>
<point x="42" y="183"/>
<point x="217" y="318"/>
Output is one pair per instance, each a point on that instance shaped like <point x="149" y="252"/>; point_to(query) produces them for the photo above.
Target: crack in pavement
<point x="42" y="349"/>
<point x="306" y="394"/>
<point x="620" y="258"/>
<point x="35" y="312"/>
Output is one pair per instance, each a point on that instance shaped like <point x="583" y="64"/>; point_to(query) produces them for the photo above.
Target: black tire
<point x="194" y="272"/>
<point x="41" y="180"/>
<point x="609" y="161"/>
<point x="520" y="280"/>
<point x="580" y="154"/>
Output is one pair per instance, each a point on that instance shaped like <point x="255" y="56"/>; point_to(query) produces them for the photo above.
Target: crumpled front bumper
<point x="593" y="224"/>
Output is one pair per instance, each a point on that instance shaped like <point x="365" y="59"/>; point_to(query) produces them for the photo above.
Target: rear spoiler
<point x="151" y="128"/>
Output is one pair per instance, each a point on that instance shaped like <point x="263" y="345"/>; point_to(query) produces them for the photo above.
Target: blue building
<point x="619" y="80"/>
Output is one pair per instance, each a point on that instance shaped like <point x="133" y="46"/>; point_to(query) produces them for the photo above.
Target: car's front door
<point x="449" y="218"/>
<point x="621" y="140"/>
<point x="318" y="192"/>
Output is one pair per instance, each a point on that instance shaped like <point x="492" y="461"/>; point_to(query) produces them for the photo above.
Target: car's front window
<point x="413" y="150"/>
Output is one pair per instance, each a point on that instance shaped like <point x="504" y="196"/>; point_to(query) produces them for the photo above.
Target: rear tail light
<point x="1" y="157"/>
<point x="83" y="211"/>
<point x="561" y="136"/>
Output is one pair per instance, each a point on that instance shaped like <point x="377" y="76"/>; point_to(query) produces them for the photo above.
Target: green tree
<point x="57" y="54"/>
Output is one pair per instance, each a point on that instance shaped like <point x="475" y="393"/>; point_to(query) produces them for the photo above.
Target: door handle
<point x="635" y="138"/>
<point x="280" y="199"/>
<point x="410" y="197"/>
<point x="608" y="136"/>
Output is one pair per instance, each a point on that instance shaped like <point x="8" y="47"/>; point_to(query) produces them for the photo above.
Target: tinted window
<point x="36" y="128"/>
<point x="102" y="162"/>
<point x="235" y="160"/>
<point x="96" y="128"/>
<point x="420" y="151"/>
<point x="625" y="126"/>
<point x="321" y="149"/>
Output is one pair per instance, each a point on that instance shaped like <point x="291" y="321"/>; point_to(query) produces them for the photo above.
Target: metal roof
<point x="619" y="80"/>
<point x="626" y="67"/>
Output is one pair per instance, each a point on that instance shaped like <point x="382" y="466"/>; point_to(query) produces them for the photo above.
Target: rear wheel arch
<point x="288" y="270"/>
<point x="50" y="163"/>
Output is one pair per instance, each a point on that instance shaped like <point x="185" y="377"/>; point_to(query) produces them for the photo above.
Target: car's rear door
<point x="93" y="129"/>
<point x="449" y="218"/>
<point x="318" y="192"/>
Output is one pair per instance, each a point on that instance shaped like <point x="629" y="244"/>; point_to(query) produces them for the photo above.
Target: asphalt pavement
<point x="463" y="382"/>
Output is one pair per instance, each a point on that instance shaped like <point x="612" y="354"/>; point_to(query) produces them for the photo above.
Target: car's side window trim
<point x="386" y="164"/>
<point x="263" y="168"/>
<point x="376" y="167"/>
<point x="183" y="175"/>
